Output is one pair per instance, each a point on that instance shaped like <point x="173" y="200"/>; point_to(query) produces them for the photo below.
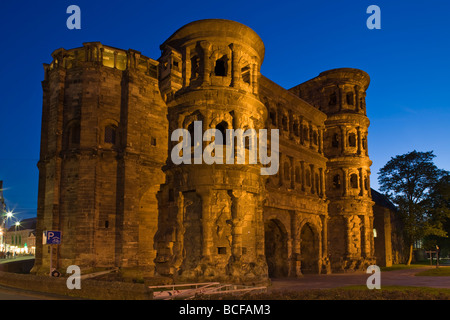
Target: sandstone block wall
<point x="107" y="180"/>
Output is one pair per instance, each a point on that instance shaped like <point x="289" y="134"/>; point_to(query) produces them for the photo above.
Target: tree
<point x="439" y="212"/>
<point x="411" y="182"/>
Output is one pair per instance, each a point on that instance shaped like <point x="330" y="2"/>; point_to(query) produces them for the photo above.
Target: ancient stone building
<point x="108" y="182"/>
<point x="389" y="245"/>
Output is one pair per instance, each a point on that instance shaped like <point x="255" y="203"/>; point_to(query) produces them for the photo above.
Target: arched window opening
<point x="245" y="74"/>
<point x="337" y="182"/>
<point x="297" y="175"/>
<point x="222" y="127"/>
<point x="315" y="138"/>
<point x="354" y="181"/>
<point x="317" y="182"/>
<point x="352" y="140"/>
<point x="191" y="133"/>
<point x="350" y="100"/>
<point x="195" y="67"/>
<point x="287" y="172"/>
<point x="176" y="65"/>
<point x="220" y="69"/>
<point x="74" y="135"/>
<point x="273" y="117"/>
<point x="333" y="99"/>
<point x="284" y="122"/>
<point x="296" y="128"/>
<point x="335" y="141"/>
<point x="305" y="133"/>
<point x="110" y="134"/>
<point x="308" y="178"/>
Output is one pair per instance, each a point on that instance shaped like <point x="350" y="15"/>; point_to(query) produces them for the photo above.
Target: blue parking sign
<point x="53" y="237"/>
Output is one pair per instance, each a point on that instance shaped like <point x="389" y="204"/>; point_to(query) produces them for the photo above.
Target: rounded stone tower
<point x="340" y="93"/>
<point x="211" y="220"/>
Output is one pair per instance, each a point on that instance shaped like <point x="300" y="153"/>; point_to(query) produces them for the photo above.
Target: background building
<point x="21" y="238"/>
<point x="388" y="231"/>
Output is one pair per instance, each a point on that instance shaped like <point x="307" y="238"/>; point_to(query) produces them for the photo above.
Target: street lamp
<point x="5" y="216"/>
<point x="16" y="225"/>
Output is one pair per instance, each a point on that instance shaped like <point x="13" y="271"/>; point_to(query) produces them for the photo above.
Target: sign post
<point x="52" y="238"/>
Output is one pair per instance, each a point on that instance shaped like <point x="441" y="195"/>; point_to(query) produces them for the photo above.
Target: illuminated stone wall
<point x="340" y="94"/>
<point x="107" y="180"/>
<point x="104" y="137"/>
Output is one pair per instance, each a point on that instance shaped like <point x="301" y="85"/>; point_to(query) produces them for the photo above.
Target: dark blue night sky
<point x="408" y="60"/>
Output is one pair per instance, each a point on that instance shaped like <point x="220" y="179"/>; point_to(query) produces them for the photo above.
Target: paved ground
<point x="7" y="293"/>
<point x="404" y="277"/>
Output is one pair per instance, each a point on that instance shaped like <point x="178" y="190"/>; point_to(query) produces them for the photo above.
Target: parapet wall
<point x="95" y="52"/>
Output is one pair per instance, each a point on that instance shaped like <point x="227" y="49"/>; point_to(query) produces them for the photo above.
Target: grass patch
<point x="404" y="266"/>
<point x="435" y="272"/>
<point x="345" y="293"/>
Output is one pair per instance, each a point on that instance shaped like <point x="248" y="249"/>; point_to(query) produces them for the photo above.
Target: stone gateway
<point x="107" y="181"/>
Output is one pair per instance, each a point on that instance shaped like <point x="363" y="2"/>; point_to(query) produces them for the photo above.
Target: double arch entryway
<point x="278" y="249"/>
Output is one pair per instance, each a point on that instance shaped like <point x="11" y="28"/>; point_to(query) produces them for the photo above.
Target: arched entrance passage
<point x="309" y="249"/>
<point x="276" y="248"/>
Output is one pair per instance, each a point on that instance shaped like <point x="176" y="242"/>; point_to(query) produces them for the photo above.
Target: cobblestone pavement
<point x="404" y="277"/>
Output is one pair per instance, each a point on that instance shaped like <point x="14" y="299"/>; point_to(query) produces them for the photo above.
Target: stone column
<point x="254" y="78"/>
<point x="342" y="138"/>
<point x="324" y="219"/>
<point x="341" y="98"/>
<point x="236" y="216"/>
<point x="302" y="166"/>
<point x="296" y="266"/>
<point x="361" y="182"/>
<point x="321" y="130"/>
<point x="345" y="181"/>
<point x="206" y="46"/>
<point x="236" y="70"/>
<point x="367" y="145"/>
<point x="291" y="125"/>
<point x="359" y="141"/>
<point x="322" y="185"/>
<point x="348" y="235"/>
<point x="291" y="163"/>
<point x="357" y="103"/>
<point x="179" y="235"/>
<point x="260" y="249"/>
<point x="302" y="136"/>
<point x="207" y="239"/>
<point x="186" y="67"/>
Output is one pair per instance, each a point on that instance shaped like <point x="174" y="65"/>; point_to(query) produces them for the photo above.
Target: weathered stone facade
<point x="389" y="245"/>
<point x="107" y="181"/>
